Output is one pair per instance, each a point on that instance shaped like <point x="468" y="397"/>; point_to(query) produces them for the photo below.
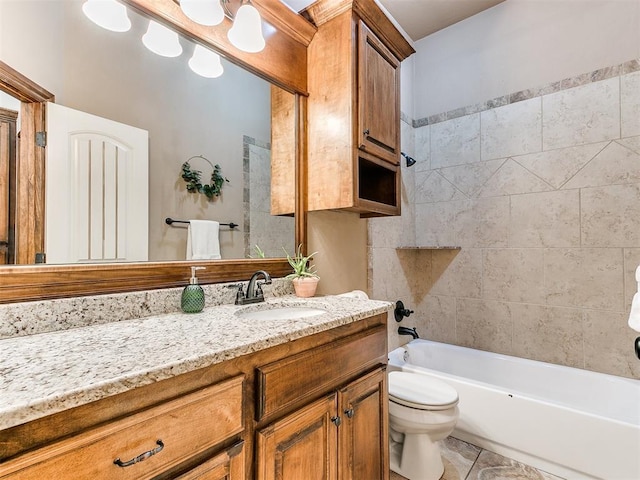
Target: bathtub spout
<point x="408" y="331"/>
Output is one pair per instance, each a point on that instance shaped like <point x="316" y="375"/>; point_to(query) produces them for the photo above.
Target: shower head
<point x="410" y="160"/>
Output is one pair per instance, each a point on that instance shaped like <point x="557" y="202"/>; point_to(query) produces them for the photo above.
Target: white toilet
<point x="422" y="410"/>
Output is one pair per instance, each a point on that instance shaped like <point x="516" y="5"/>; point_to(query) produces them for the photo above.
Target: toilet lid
<point x="420" y="391"/>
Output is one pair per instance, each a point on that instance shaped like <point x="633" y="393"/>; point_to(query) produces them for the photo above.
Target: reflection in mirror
<point x="112" y="75"/>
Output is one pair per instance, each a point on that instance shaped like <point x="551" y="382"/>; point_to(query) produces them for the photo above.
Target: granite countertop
<point x="50" y="372"/>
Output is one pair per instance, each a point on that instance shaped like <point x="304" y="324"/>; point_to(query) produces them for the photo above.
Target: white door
<point x="96" y="189"/>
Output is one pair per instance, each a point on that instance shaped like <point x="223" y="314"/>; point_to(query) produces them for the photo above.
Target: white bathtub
<point x="570" y="422"/>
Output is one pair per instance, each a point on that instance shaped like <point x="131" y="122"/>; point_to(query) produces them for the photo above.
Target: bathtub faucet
<point x="408" y="331"/>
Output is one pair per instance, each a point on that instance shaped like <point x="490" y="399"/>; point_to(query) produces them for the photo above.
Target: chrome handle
<point x="141" y="457"/>
<point x="349" y="412"/>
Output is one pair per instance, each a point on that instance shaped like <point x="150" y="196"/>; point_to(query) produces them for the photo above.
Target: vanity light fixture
<point x="107" y="14"/>
<point x="246" y="32"/>
<point x="206" y="63"/>
<point x="161" y="40"/>
<point x="204" y="12"/>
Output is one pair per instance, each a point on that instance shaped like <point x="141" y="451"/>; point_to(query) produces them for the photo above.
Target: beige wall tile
<point x="615" y="164"/>
<point x="469" y="178"/>
<point x="548" y="334"/>
<point x="584" y="277"/>
<point x="455" y="142"/>
<point x="512" y="178"/>
<point x="513" y="275"/>
<point x="630" y="104"/>
<point x="435" y="319"/>
<point x="390" y="281"/>
<point x="632" y="143"/>
<point x="423" y="148"/>
<point x="432" y="187"/>
<point x="586" y="114"/>
<point x="482" y="222"/>
<point x="485" y="325"/>
<point x="435" y="223"/>
<point x="610" y="216"/>
<point x="514" y="129"/>
<point x="548" y="219"/>
<point x="609" y="344"/>
<point x="556" y="167"/>
<point x="457" y="272"/>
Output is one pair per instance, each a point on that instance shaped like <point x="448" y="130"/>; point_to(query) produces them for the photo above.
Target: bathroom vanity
<point x="224" y="394"/>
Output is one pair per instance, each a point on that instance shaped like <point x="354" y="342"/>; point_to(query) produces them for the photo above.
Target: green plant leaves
<point x="195" y="185"/>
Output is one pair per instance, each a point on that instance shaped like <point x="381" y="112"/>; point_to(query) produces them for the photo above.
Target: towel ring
<point x="194" y="182"/>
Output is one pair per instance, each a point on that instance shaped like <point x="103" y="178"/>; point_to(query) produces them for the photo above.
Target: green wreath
<point x="195" y="185"/>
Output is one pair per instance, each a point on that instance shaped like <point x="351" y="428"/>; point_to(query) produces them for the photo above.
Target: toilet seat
<point x="421" y="392"/>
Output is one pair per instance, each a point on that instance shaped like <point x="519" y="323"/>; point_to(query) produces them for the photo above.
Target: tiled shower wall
<point x="541" y="191"/>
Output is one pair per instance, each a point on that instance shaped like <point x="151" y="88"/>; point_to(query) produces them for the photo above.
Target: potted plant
<point x="304" y="278"/>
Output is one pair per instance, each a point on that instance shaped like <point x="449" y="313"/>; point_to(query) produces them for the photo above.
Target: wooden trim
<point x="34" y="282"/>
<point x="20" y="87"/>
<point x="322" y="11"/>
<point x="301" y="172"/>
<point x="284" y="58"/>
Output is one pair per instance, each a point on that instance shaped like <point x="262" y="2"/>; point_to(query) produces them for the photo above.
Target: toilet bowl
<point x="422" y="411"/>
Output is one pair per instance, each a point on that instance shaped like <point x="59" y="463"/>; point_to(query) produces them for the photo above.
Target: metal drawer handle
<point x="141" y="457"/>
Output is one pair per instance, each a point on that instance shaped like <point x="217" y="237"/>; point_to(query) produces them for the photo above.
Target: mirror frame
<point x="283" y="62"/>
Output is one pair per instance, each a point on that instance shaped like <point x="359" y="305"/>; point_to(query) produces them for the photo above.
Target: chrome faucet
<point x="254" y="289"/>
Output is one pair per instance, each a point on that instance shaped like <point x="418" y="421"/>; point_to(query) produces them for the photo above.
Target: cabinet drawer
<point x="294" y="380"/>
<point x="173" y="431"/>
<point x="228" y="465"/>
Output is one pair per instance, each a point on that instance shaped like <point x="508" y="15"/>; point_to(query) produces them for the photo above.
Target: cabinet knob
<point x="349" y="412"/>
<point x="366" y="132"/>
<point x="336" y="420"/>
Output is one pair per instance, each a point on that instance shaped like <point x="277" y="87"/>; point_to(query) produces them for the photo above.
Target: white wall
<point x="521" y="44"/>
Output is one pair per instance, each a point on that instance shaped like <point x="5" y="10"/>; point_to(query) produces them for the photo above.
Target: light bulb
<point x="205" y="63"/>
<point x="246" y="32"/>
<point x="162" y="41"/>
<point x="107" y="14"/>
<point x="204" y="12"/>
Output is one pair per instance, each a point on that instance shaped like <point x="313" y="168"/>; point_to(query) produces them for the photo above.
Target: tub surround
<point x="50" y="372"/>
<point x="539" y="188"/>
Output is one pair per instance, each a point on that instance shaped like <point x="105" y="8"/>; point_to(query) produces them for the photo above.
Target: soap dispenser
<point x="192" y="300"/>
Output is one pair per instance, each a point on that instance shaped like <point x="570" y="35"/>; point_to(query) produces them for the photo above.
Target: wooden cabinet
<point x="340" y="431"/>
<point x="314" y="407"/>
<point x="354" y="108"/>
<point x="341" y="436"/>
<point x="144" y="445"/>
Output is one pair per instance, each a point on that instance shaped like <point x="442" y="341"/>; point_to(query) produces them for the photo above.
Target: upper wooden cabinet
<point x="353" y="109"/>
<point x="378" y="97"/>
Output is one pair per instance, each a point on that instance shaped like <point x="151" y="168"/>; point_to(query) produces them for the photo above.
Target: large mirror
<point x="227" y="120"/>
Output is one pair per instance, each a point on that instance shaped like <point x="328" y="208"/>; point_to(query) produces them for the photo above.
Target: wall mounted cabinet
<point x="354" y="108"/>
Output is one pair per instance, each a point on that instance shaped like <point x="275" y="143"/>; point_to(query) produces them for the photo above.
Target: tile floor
<point x="464" y="461"/>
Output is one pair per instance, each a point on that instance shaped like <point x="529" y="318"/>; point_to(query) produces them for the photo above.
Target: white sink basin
<point x="281" y="313"/>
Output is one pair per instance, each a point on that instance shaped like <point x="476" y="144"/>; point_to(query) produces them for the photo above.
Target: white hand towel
<point x="355" y="294"/>
<point x="202" y="240"/>
<point x="634" y="315"/>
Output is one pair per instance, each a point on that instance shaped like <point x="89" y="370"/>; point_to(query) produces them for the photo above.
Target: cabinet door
<point x="364" y="450"/>
<point x="300" y="446"/>
<point x="378" y="97"/>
